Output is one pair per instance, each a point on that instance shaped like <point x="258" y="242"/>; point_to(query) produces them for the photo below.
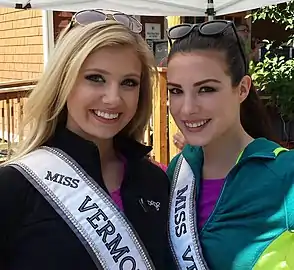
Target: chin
<point x="104" y="135"/>
<point x="197" y="138"/>
<point x="201" y="142"/>
<point x="100" y="131"/>
<point x="101" y="134"/>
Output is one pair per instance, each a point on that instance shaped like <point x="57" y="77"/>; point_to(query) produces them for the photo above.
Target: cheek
<point x="175" y="105"/>
<point x="79" y="96"/>
<point x="227" y="111"/>
<point x="226" y="102"/>
<point x="72" y="101"/>
<point x="132" y="99"/>
<point x="76" y="106"/>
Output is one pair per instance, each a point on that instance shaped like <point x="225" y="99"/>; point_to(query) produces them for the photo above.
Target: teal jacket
<point x="252" y="224"/>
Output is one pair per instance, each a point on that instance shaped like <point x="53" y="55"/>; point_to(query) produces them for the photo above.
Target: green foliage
<point x="282" y="14"/>
<point x="274" y="76"/>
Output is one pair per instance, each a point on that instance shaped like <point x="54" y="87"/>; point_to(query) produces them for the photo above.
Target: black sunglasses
<point x="86" y="17"/>
<point x="209" y="28"/>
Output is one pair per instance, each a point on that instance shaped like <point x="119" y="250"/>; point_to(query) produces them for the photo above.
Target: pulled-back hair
<point x="253" y="114"/>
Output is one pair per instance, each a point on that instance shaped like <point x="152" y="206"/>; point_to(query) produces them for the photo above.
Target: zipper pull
<point x="143" y="205"/>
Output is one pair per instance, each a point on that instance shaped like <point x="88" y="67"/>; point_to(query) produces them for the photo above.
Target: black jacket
<point x="33" y="236"/>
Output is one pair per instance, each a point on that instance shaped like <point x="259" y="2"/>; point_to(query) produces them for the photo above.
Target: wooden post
<point x="160" y="115"/>
<point x="172" y="127"/>
<point x="8" y="127"/>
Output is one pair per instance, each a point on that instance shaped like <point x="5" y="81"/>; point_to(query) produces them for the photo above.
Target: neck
<point x="105" y="146"/>
<point x="221" y="155"/>
<point x="106" y="151"/>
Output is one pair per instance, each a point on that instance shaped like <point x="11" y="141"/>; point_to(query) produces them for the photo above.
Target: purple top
<point x="115" y="195"/>
<point x="209" y="192"/>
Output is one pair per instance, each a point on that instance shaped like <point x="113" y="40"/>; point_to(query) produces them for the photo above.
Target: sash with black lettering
<point x="86" y="208"/>
<point x="183" y="233"/>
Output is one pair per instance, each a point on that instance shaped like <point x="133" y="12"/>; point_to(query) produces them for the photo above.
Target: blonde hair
<point x="46" y="103"/>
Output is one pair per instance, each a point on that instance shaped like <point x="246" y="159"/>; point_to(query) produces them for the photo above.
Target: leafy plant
<point x="274" y="76"/>
<point x="282" y="14"/>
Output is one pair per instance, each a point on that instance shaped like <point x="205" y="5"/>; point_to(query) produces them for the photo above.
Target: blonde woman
<point x="80" y="194"/>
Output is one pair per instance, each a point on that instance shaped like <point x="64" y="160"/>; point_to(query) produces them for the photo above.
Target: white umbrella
<point x="145" y="7"/>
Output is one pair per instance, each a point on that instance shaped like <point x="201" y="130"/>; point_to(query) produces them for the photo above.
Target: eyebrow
<point x="108" y="73"/>
<point x="195" y="84"/>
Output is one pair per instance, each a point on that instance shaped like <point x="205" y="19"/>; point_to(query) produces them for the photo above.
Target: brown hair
<point x="253" y="114"/>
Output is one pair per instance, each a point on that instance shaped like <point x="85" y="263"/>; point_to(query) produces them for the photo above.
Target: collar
<point x="86" y="153"/>
<point x="260" y="148"/>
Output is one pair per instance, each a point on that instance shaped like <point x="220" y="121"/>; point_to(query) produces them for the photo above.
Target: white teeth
<point x="106" y="115"/>
<point x="196" y="124"/>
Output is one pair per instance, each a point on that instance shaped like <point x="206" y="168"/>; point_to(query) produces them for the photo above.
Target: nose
<point x="112" y="96"/>
<point x="190" y="105"/>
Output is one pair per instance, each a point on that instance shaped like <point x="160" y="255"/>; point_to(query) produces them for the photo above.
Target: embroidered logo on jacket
<point x="155" y="204"/>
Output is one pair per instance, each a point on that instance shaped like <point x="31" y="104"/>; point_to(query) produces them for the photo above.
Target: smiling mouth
<point x="196" y="125"/>
<point x="106" y="116"/>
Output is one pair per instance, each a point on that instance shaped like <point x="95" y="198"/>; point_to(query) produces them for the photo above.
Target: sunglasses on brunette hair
<point x="210" y="29"/>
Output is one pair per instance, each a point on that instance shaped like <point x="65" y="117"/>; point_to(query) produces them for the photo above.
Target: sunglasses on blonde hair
<point x="86" y="17"/>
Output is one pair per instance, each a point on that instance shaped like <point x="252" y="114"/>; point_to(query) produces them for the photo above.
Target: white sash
<point x="87" y="209"/>
<point x="183" y="233"/>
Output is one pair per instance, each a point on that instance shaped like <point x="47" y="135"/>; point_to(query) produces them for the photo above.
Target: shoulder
<point x="171" y="166"/>
<point x="151" y="172"/>
<point x="13" y="185"/>
<point x="13" y="195"/>
<point x="160" y="165"/>
<point x="283" y="165"/>
<point x="11" y="178"/>
<point x="283" y="168"/>
<point x="154" y="168"/>
<point x="193" y="154"/>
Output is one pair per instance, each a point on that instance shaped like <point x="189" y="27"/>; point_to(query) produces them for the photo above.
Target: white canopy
<point x="146" y="7"/>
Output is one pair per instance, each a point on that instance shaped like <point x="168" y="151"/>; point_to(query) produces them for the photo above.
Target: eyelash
<point x="207" y="89"/>
<point x="175" y="91"/>
<point x="203" y="89"/>
<point x="96" y="78"/>
<point x="130" y="83"/>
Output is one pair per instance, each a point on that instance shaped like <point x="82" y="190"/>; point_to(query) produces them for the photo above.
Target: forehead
<point x="114" y="58"/>
<point x="196" y="66"/>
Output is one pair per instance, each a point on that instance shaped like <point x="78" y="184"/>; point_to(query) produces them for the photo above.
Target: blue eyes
<point x="130" y="83"/>
<point x="96" y="78"/>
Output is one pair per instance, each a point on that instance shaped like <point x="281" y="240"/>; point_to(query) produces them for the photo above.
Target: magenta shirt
<point x="210" y="190"/>
<point x="116" y="196"/>
<point x="209" y="193"/>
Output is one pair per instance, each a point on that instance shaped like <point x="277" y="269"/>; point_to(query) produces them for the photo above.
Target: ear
<point x="244" y="88"/>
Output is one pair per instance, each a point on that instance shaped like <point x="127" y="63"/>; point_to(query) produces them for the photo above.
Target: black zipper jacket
<point x="33" y="236"/>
